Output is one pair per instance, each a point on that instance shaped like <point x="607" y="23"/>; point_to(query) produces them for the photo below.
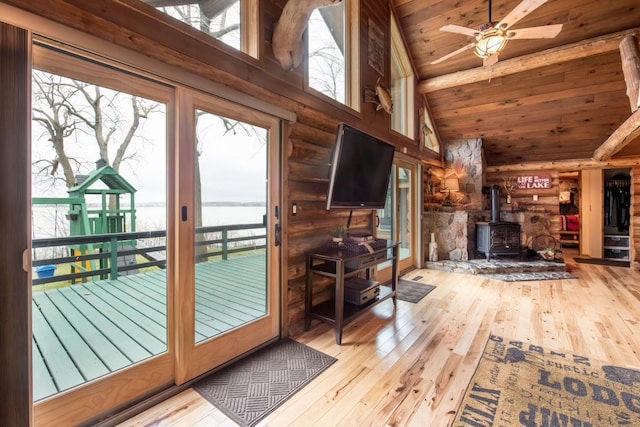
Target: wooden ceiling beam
<point x="556" y="55"/>
<point x="630" y="129"/>
<point x="566" y="165"/>
<point x="631" y="68"/>
<point x="627" y="132"/>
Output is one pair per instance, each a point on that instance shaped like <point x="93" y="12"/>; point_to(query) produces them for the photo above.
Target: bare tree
<point x="65" y="108"/>
<point x="213" y="22"/>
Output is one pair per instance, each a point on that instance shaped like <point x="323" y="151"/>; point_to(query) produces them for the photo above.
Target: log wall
<point x="523" y="199"/>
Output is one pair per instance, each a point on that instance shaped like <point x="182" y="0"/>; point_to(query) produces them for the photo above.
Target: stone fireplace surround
<point x="455" y="230"/>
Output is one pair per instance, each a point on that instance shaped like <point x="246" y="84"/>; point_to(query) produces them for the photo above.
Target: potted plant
<point x="338" y="232"/>
<point x="547" y="253"/>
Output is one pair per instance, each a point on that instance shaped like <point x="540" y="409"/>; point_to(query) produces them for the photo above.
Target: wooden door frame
<point x="194" y="359"/>
<point x="15" y="198"/>
<point x="384" y="275"/>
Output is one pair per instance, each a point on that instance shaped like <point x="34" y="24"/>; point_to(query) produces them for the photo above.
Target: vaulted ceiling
<point x="546" y="99"/>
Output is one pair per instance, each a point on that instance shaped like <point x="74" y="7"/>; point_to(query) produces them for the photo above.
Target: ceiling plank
<point x="627" y="132"/>
<point x="578" y="50"/>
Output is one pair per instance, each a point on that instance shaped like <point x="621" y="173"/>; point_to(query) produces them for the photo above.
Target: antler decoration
<point x="288" y="47"/>
<point x="509" y="183"/>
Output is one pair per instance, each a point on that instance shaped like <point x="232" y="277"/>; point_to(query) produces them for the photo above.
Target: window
<point x="402" y="85"/>
<point x="330" y="69"/>
<point x="233" y="22"/>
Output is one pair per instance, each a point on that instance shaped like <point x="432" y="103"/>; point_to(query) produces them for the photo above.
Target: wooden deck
<point x="85" y="331"/>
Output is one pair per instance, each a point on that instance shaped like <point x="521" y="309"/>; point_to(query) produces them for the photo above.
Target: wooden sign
<point x="533" y="182"/>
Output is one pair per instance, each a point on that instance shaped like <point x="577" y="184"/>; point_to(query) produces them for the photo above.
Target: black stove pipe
<point x="495" y="203"/>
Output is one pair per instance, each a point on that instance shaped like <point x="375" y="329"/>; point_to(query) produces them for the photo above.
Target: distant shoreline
<point x="160" y="204"/>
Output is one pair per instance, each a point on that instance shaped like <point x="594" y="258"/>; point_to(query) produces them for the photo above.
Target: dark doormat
<point x="251" y="388"/>
<point x="600" y="261"/>
<point x="520" y="384"/>
<point x="412" y="291"/>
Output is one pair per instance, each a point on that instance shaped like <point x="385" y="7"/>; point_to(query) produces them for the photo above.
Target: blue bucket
<point x="45" y="271"/>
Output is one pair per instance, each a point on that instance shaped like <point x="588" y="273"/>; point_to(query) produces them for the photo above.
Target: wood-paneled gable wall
<point x="138" y="26"/>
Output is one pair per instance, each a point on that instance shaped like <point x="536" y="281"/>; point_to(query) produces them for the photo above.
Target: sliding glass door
<point x="155" y="235"/>
<point x="398" y="220"/>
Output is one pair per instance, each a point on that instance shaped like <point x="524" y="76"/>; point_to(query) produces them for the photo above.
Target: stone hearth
<point x="505" y="270"/>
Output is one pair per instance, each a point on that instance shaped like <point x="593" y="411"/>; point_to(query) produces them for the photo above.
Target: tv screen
<point x="359" y="171"/>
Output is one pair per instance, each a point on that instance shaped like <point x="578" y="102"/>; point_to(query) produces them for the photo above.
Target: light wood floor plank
<point x="411" y="367"/>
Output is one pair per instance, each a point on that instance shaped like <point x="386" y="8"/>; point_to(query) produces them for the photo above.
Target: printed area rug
<point x="520" y="384"/>
<point x="411" y="291"/>
<point x="253" y="387"/>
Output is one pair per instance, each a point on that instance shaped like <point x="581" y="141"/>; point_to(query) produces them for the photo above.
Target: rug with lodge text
<point x="251" y="388"/>
<point x="521" y="384"/>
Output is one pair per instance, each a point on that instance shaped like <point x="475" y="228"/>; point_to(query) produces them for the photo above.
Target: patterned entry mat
<point x="410" y="291"/>
<point x="255" y="386"/>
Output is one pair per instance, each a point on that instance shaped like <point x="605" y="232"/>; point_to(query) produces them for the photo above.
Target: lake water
<point x="50" y="221"/>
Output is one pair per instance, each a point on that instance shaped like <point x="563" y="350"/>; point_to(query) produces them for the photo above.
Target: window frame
<point x="249" y="29"/>
<point x="352" y="57"/>
<point x="406" y="103"/>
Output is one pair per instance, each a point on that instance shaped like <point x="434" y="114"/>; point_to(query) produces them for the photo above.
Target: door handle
<point x="277" y="235"/>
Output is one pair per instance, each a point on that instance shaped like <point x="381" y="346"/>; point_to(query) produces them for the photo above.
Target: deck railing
<point x="98" y="255"/>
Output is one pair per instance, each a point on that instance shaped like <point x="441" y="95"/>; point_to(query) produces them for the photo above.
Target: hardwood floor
<point x="411" y="367"/>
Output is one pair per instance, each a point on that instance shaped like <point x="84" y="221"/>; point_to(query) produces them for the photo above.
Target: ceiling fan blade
<point x="543" y="32"/>
<point x="488" y="62"/>
<point x="458" y="29"/>
<point x="454" y="53"/>
<point x="519" y="12"/>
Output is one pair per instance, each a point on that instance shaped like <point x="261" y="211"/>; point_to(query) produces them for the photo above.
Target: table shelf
<point x="340" y="265"/>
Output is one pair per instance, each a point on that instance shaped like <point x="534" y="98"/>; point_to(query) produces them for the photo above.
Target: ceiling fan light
<point x="490" y="45"/>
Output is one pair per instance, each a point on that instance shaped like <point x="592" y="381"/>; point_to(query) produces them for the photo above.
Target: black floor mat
<point x="253" y="387"/>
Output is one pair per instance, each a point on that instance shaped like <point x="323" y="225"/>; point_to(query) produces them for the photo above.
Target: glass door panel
<point x="230" y="181"/>
<point x="100" y="293"/>
<point x="405" y="213"/>
<point x="396" y="221"/>
<point x="230" y="214"/>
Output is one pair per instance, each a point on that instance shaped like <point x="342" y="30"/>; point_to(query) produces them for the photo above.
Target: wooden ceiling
<point x="537" y="104"/>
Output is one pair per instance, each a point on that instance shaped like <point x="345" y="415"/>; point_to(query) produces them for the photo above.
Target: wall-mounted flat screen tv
<point x="359" y="171"/>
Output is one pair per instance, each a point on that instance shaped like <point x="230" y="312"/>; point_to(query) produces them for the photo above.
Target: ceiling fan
<point x="492" y="37"/>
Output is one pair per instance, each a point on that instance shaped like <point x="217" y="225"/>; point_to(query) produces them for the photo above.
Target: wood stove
<point x="497" y="237"/>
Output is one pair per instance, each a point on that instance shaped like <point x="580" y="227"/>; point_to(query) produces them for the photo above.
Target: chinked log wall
<point x="548" y="199"/>
<point x="523" y="199"/>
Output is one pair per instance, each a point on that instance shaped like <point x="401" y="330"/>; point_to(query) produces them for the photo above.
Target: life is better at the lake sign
<point x="533" y="182"/>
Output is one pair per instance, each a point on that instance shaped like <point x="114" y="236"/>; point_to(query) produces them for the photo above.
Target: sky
<point x="233" y="165"/>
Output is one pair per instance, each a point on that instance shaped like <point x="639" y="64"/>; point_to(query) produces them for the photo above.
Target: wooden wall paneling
<point x="15" y="203"/>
